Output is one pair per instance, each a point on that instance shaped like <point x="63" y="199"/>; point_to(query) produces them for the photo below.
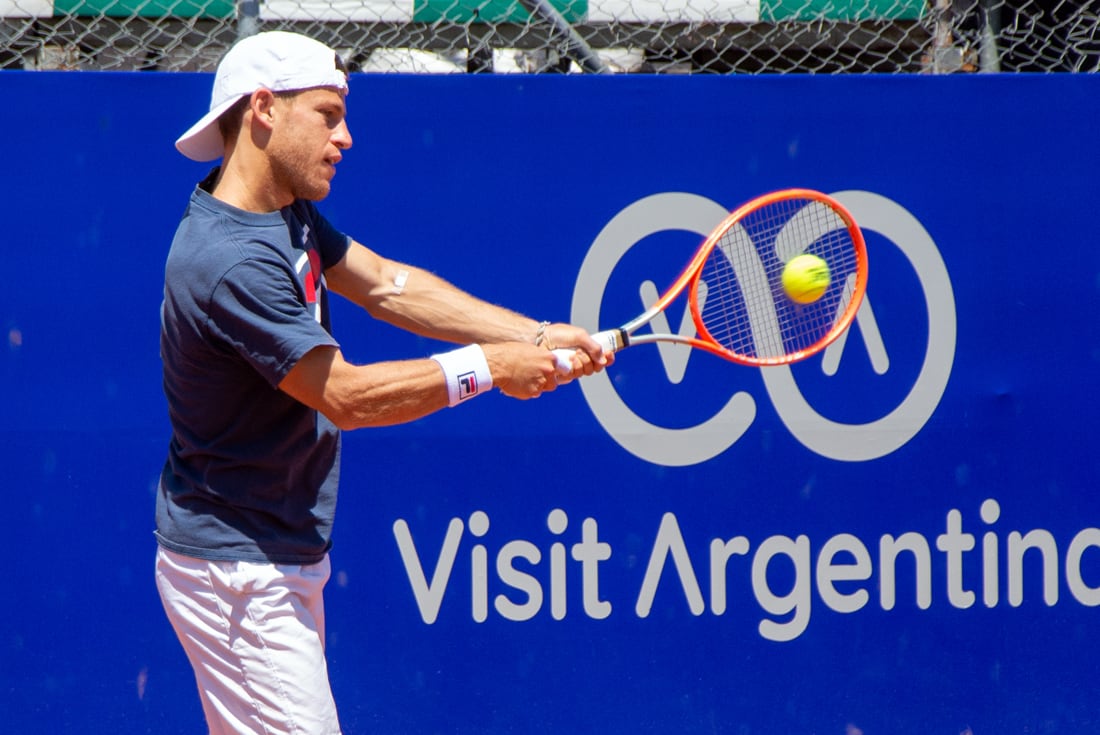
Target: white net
<point x="569" y="36"/>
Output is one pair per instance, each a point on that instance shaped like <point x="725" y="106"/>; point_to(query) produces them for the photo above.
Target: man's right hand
<point x="522" y="370"/>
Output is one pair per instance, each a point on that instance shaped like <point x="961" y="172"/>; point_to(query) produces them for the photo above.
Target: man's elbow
<point x="344" y="420"/>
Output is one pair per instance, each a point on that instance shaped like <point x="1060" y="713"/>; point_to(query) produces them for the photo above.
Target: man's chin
<point x="317" y="193"/>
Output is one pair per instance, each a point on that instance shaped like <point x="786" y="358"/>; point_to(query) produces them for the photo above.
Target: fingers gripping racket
<point x="739" y="304"/>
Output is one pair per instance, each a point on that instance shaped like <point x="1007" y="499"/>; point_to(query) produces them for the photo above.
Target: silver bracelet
<point x="540" y="335"/>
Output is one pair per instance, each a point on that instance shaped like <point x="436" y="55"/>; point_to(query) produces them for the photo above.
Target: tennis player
<point x="258" y="390"/>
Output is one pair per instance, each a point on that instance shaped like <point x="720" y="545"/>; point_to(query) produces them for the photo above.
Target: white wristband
<point x="466" y="371"/>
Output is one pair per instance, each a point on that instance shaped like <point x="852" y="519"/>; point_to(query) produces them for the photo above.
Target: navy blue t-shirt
<point x="251" y="473"/>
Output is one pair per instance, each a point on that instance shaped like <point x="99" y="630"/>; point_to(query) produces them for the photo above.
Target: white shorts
<point x="254" y="633"/>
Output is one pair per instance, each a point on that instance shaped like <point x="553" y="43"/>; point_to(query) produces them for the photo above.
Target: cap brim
<point x="203" y="141"/>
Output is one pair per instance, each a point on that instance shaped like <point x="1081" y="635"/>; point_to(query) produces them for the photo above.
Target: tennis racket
<point x="734" y="283"/>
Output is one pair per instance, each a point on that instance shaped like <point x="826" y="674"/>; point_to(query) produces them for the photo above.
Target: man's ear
<point x="262" y="104"/>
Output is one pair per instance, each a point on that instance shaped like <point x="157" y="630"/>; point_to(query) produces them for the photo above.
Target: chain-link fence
<point x="593" y="36"/>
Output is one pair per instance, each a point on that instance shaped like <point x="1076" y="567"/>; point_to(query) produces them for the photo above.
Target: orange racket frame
<point x="614" y="340"/>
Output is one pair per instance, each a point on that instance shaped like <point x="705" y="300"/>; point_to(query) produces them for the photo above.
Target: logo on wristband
<point x="467" y="385"/>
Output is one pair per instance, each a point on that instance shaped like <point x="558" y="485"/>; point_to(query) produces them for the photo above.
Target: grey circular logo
<point x="828" y="438"/>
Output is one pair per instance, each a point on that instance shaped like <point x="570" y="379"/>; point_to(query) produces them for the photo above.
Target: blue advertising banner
<point x="899" y="536"/>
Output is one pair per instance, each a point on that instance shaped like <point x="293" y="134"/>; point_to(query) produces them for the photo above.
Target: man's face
<point x="308" y="138"/>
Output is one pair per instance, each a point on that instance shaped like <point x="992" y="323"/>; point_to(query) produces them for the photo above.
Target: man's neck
<point x="249" y="186"/>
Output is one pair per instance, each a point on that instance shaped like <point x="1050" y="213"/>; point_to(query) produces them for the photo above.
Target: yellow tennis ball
<point x="805" y="278"/>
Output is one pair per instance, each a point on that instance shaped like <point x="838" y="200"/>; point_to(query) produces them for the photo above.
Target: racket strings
<point x="744" y="307"/>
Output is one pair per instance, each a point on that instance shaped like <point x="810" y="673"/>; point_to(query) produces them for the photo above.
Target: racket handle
<point x="611" y="340"/>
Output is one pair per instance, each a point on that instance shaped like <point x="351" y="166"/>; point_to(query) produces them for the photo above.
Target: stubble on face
<point x="301" y="152"/>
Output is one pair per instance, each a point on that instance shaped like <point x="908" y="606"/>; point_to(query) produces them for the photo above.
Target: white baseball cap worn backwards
<point x="275" y="60"/>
